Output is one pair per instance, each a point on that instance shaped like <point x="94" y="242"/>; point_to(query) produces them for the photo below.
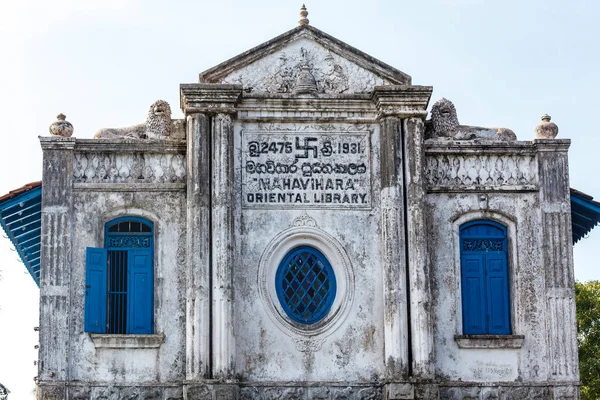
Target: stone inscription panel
<point x="306" y="170"/>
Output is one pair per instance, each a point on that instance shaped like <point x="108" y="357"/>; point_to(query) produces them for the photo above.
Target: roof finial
<point x="303" y="15"/>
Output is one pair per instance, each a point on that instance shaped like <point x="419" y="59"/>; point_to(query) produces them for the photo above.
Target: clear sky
<point x="102" y="63"/>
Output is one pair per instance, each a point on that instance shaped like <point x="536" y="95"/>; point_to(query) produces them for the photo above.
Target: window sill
<point x="489" y="341"/>
<point x="103" y="341"/>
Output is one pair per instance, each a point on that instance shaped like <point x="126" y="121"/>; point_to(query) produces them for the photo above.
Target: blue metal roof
<point x="585" y="214"/>
<point x="21" y="219"/>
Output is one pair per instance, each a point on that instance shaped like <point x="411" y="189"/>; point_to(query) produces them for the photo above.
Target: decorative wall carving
<point x="319" y="114"/>
<point x="476" y="170"/>
<point x="492" y="393"/>
<point x="308" y="345"/>
<point x="129" y="241"/>
<point x="482" y="244"/>
<point x="111" y="167"/>
<point x="566" y="393"/>
<point x="313" y="393"/>
<point x="278" y="72"/>
<point x="202" y="392"/>
<point x="321" y="128"/>
<point x="305" y="220"/>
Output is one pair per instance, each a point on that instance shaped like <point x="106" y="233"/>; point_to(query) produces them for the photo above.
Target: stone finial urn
<point x="61" y="127"/>
<point x="546" y="129"/>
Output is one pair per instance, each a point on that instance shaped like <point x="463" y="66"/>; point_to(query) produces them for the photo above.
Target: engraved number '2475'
<point x="257" y="148"/>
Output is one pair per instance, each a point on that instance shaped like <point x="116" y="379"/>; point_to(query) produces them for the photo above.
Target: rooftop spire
<point x="303" y="14"/>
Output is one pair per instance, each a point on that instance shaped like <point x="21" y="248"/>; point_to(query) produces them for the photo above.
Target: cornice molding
<point x="209" y="98"/>
<point x="402" y="100"/>
<point x="130" y="146"/>
<point x="57" y="142"/>
<point x="552" y="145"/>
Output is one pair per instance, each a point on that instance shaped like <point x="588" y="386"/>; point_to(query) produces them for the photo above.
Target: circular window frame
<point x="340" y="263"/>
<point x="284" y="269"/>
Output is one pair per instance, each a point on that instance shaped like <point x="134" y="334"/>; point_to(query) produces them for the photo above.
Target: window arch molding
<point x="129" y="212"/>
<point x="113" y="229"/>
<point x="333" y="251"/>
<point x="512" y="261"/>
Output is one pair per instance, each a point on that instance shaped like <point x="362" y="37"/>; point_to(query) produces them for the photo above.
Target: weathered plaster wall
<point x="498" y="182"/>
<point x="92" y="209"/>
<point x="520" y="213"/>
<point x="115" y="178"/>
<point x="511" y="184"/>
<point x="352" y="350"/>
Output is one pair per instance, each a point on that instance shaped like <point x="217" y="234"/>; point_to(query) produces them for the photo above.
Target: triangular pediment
<point x="274" y="66"/>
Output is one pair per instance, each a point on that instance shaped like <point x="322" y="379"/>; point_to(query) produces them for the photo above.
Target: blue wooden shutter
<point x="497" y="294"/>
<point x="140" y="290"/>
<point x="473" y="294"/>
<point x="95" y="290"/>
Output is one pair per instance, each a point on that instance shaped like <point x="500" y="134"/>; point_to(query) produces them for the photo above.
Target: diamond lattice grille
<point x="307" y="285"/>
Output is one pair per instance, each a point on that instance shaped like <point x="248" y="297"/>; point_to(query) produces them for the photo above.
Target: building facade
<point x="306" y="233"/>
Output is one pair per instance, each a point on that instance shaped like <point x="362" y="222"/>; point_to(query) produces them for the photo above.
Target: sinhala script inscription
<point x="306" y="170"/>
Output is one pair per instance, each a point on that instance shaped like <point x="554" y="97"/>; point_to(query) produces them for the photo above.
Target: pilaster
<point x="198" y="247"/>
<point x="393" y="250"/>
<point x="223" y="338"/>
<point x="55" y="273"/>
<point x="406" y="289"/>
<point x="211" y="108"/>
<point x="421" y="320"/>
<point x="557" y="250"/>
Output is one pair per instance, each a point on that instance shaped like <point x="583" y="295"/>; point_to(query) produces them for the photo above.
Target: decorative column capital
<point x="209" y="98"/>
<point x="403" y="101"/>
<point x="552" y="145"/>
<point x="57" y="143"/>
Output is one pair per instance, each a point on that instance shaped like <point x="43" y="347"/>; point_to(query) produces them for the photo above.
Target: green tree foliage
<point x="587" y="297"/>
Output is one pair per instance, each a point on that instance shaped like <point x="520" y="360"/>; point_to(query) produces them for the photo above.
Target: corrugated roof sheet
<point x="21" y="219"/>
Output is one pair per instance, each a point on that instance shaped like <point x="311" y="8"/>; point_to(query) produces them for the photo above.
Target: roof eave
<point x="22" y="225"/>
<point x="585" y="214"/>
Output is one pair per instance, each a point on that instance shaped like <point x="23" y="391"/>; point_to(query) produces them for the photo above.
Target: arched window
<point x="119" y="291"/>
<point x="484" y="278"/>
<point x="305" y="285"/>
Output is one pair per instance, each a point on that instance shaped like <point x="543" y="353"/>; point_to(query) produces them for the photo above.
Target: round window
<point x="305" y="284"/>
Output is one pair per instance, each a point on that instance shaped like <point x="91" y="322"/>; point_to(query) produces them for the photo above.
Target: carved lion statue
<point x="444" y="124"/>
<point x="158" y="125"/>
<point x="444" y="119"/>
